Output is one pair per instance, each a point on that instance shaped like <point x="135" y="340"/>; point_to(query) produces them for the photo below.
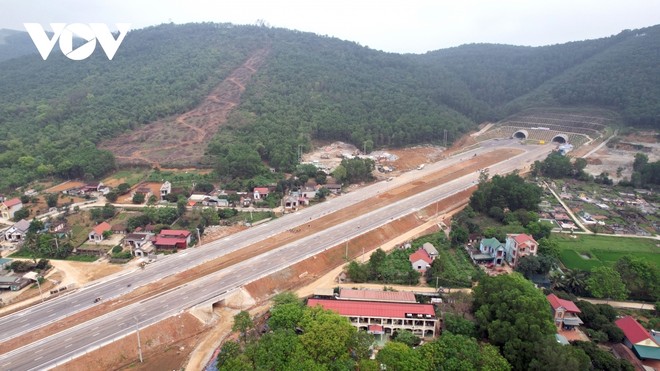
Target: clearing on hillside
<point x="586" y="252"/>
<point x="180" y="141"/>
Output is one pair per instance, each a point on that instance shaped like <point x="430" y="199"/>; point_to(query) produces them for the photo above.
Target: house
<point x="491" y="250"/>
<point x="92" y="187"/>
<point x="215" y="201"/>
<point x="259" y="193"/>
<point x="564" y="312"/>
<point x="420" y="260"/>
<point x="172" y="239"/>
<point x="9" y="207"/>
<point x="377" y="295"/>
<point x="645" y="346"/>
<point x="518" y="246"/>
<point x="143" y="190"/>
<point x="430" y="249"/>
<point x="308" y="192"/>
<point x="384" y="317"/>
<point x="13" y="283"/>
<point x="140" y="243"/>
<point x="119" y="228"/>
<point x="334" y="188"/>
<point x="18" y="231"/>
<point x="290" y="202"/>
<point x="165" y="189"/>
<point x="96" y="235"/>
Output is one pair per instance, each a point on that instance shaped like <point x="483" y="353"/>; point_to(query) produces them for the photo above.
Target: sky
<point x="412" y="26"/>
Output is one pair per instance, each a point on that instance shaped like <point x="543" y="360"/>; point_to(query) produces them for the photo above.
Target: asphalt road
<point x="73" y="342"/>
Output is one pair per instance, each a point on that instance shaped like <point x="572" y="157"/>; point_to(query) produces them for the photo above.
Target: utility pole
<point x="199" y="239"/>
<point x="137" y="330"/>
<point x="445" y="138"/>
<point x="346" y="250"/>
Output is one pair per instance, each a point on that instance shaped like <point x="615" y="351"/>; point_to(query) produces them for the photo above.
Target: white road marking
<point x="68" y="346"/>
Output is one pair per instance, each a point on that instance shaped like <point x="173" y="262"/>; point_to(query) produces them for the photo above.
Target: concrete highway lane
<point x="68" y="344"/>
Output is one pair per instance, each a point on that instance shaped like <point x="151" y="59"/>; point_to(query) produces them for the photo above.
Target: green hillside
<point x="53" y="113"/>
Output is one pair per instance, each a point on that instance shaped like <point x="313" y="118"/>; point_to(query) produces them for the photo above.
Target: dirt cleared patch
<point x="180" y="141"/>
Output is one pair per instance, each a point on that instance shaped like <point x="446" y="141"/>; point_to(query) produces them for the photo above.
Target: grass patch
<point x="604" y="250"/>
<point x="130" y="176"/>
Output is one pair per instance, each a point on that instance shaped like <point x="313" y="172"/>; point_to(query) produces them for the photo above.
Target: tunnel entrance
<point x="521" y="134"/>
<point x="560" y="138"/>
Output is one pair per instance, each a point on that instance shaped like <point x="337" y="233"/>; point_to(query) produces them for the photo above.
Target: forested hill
<point x="54" y="112"/>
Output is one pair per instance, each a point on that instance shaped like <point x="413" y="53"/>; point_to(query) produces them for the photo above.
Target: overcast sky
<point x="412" y="26"/>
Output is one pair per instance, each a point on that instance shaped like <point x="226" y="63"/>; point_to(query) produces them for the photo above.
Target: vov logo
<point x="88" y="32"/>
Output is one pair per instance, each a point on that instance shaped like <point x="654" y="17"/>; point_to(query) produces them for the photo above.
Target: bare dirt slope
<point x="181" y="140"/>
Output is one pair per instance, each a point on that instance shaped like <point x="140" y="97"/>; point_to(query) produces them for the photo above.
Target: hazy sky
<point x="396" y="26"/>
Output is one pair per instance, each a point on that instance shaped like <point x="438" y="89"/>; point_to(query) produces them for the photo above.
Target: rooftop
<point x="420" y="254"/>
<point x="12" y="202"/>
<point x="376" y="295"/>
<point x="102" y="227"/>
<point x="374" y="309"/>
<point x="634" y="331"/>
<point x="556" y="302"/>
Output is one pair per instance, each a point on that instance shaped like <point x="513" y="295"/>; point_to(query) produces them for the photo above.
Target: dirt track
<point x="181" y="140"/>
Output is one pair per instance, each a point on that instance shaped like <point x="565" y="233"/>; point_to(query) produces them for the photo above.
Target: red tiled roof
<point x="420" y="254"/>
<point x="375" y="295"/>
<point x="12" y="202"/>
<point x="522" y="238"/>
<point x="633" y="330"/>
<point x="373" y="308"/>
<point x="100" y="228"/>
<point x="169" y="241"/>
<point x="261" y="190"/>
<point x="556" y="302"/>
<point x="174" y="232"/>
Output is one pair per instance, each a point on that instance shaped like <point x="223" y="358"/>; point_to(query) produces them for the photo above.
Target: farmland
<point x="586" y="252"/>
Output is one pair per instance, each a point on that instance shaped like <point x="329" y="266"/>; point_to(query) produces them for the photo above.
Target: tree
<point x="548" y="247"/>
<point x="123" y="188"/>
<point x="181" y="206"/>
<point x="458" y="235"/>
<point x="642" y="279"/>
<point x="640" y="161"/>
<point x="539" y="230"/>
<point x="573" y="281"/>
<point x="552" y="356"/>
<point x="112" y="196"/>
<point x="204" y="187"/>
<point x="459" y="352"/>
<point x="360" y="345"/>
<point x="514" y="315"/>
<point x="601" y="359"/>
<point x="357" y="272"/>
<point x="21" y="214"/>
<point x="398" y="356"/>
<point x="406" y="337"/>
<point x="326" y="335"/>
<point x="51" y="199"/>
<point x="340" y="173"/>
<point x="138" y="198"/>
<point x="242" y="323"/>
<point x="229" y="350"/>
<point x="285" y="316"/>
<point x="605" y="282"/>
<point x="459" y="326"/>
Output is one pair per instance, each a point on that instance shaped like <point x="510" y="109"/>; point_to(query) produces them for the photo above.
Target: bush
<point x="21" y="266"/>
<point x="117" y="249"/>
<point x="597" y="336"/>
<point x="138" y="198"/>
<point x="614" y="334"/>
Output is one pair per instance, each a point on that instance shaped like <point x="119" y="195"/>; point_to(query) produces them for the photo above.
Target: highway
<point x="70" y="343"/>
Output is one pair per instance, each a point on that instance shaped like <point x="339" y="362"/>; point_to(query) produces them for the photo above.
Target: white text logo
<point x="64" y="33"/>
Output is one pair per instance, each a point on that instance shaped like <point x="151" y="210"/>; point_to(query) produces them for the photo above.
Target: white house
<point x="17" y="232"/>
<point x="96" y="235"/>
<point x="165" y="189"/>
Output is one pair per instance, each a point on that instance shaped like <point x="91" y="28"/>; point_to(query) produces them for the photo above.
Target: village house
<point x="140" y="243"/>
<point x="430" y="249"/>
<point x="308" y="192"/>
<point x="644" y="345"/>
<point x="165" y="189"/>
<point x="143" y="190"/>
<point x="334" y="188"/>
<point x="172" y="239"/>
<point x="491" y="251"/>
<point x="384" y="317"/>
<point x="96" y="235"/>
<point x="17" y="232"/>
<point x="259" y="193"/>
<point x="518" y="246"/>
<point x="13" y="283"/>
<point x="9" y="207"/>
<point x="420" y="260"/>
<point x="564" y="312"/>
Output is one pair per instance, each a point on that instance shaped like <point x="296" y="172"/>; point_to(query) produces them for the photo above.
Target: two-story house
<point x="564" y="312"/>
<point x="518" y="246"/>
<point x="493" y="249"/>
<point x="9" y="207"/>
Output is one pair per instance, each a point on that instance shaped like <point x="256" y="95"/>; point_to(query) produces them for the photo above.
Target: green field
<point x="604" y="250"/>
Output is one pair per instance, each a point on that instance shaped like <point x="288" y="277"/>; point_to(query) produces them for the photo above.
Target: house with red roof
<point x="96" y="235"/>
<point x="9" y="207"/>
<point x="259" y="193"/>
<point x="645" y="346"/>
<point x="420" y="260"/>
<point x="172" y="239"/>
<point x="518" y="246"/>
<point x="564" y="312"/>
<point x="384" y="317"/>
